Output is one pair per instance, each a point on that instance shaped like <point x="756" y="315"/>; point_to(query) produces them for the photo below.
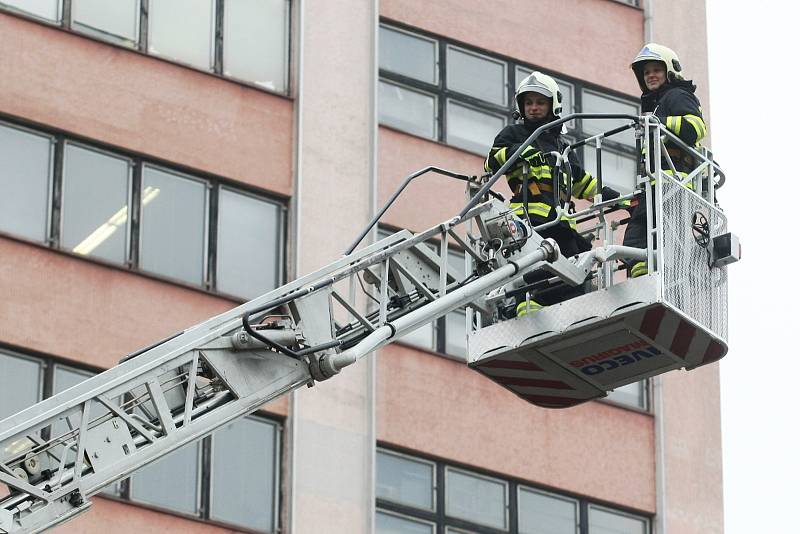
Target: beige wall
<point x="145" y="105"/>
<point x="331" y="426"/>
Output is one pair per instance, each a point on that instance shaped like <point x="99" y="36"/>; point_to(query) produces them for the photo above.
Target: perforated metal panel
<point x="689" y="284"/>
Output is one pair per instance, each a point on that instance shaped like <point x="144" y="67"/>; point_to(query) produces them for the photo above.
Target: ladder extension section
<point x="57" y="453"/>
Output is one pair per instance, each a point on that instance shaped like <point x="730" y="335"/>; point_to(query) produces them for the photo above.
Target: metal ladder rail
<point x="193" y="383"/>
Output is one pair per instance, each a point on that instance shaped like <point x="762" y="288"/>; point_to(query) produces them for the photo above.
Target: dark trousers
<point x="571" y="244"/>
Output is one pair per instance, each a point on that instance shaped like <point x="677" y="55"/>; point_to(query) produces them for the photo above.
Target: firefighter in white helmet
<point x="538" y="101"/>
<point x="671" y="98"/>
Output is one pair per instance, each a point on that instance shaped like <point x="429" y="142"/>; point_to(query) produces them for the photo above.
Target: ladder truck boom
<point x="61" y="451"/>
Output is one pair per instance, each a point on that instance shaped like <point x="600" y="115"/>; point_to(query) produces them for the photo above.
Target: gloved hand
<point x="532" y="156"/>
<point x="609" y="193"/>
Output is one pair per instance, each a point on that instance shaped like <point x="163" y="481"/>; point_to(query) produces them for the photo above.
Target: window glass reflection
<point x="95" y="204"/>
<point x="46" y="9"/>
<point x="248" y="245"/>
<point x="411" y="111"/>
<point x="256" y="42"/>
<point x="476" y="75"/>
<point x="173" y="225"/>
<point x="243" y="476"/>
<point x="404" y="481"/>
<point x="170" y="482"/>
<point x="409" y="55"/>
<point x="478" y="499"/>
<point x="25" y="165"/>
<point x="183" y="30"/>
<point x="471" y="129"/>
<point x="117" y="21"/>
<point x="20" y="384"/>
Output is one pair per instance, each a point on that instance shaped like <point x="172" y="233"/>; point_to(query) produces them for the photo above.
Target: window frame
<point x="512" y="65"/>
<point x="212" y="183"/>
<point x="54" y="166"/>
<point x="64" y="22"/>
<point x="513" y="487"/>
<point x="129" y="196"/>
<point x="434" y="479"/>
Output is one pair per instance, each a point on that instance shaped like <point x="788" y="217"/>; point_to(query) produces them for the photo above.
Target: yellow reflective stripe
<point x="698" y="124"/>
<point x="537" y="208"/>
<point x="570" y="220"/>
<point x="528" y="306"/>
<point x="639" y="269"/>
<point x="586" y="188"/>
<point x="500" y="155"/>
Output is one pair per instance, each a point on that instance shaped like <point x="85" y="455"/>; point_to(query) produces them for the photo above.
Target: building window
<point x="173" y="233"/>
<point x="96" y="193"/>
<point x="477" y="75"/>
<point x="541" y="512"/>
<point x="475" y="498"/>
<point x="22" y="383"/>
<point x="420" y="495"/>
<point x="244" y="474"/>
<point x="125" y="211"/>
<point x="605" y="521"/>
<point x="26" y="165"/>
<point x="46" y="9"/>
<point x="391" y="523"/>
<point x="183" y="30"/>
<point x="114" y="21"/>
<point x="248" y="41"/>
<point x="405" y="480"/>
<point x="256" y="42"/>
<point x="463" y="97"/>
<point x="171" y="482"/>
<point x="407" y="109"/>
<point x="231" y="477"/>
<point x="248" y="260"/>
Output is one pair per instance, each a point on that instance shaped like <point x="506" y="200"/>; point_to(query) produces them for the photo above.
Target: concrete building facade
<point x="162" y="161"/>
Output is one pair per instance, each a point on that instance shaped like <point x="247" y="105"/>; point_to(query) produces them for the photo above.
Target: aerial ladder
<point x="58" y="453"/>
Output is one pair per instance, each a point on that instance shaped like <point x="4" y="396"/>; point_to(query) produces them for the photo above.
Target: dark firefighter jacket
<point x="540" y="185"/>
<point x="677" y="107"/>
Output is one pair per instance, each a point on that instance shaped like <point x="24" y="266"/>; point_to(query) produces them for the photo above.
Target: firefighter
<point x="538" y="101"/>
<point x="669" y="97"/>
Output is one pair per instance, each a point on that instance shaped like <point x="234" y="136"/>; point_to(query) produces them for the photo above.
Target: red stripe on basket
<point x="713" y="353"/>
<point x="549" y="400"/>
<point x="652" y="321"/>
<point x="532" y="382"/>
<point x="683" y="337"/>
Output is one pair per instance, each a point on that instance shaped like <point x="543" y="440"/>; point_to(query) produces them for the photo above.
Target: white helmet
<point x="662" y="54"/>
<point x="542" y="84"/>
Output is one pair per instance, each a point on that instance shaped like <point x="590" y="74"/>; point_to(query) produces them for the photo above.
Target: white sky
<point x="753" y="69"/>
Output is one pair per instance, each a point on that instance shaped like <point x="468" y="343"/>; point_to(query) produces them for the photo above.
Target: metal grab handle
<point x="396" y="194"/>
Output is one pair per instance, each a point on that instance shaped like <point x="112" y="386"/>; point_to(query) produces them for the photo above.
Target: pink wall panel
<point x="145" y="105"/>
<point x="594" y="40"/>
<point x="90" y="313"/>
<point x="440" y="407"/>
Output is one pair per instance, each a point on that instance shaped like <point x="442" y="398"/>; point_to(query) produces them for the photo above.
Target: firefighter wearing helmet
<point x="668" y="96"/>
<point x="538" y="102"/>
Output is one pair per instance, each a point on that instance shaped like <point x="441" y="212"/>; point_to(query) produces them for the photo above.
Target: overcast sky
<point x="753" y="67"/>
